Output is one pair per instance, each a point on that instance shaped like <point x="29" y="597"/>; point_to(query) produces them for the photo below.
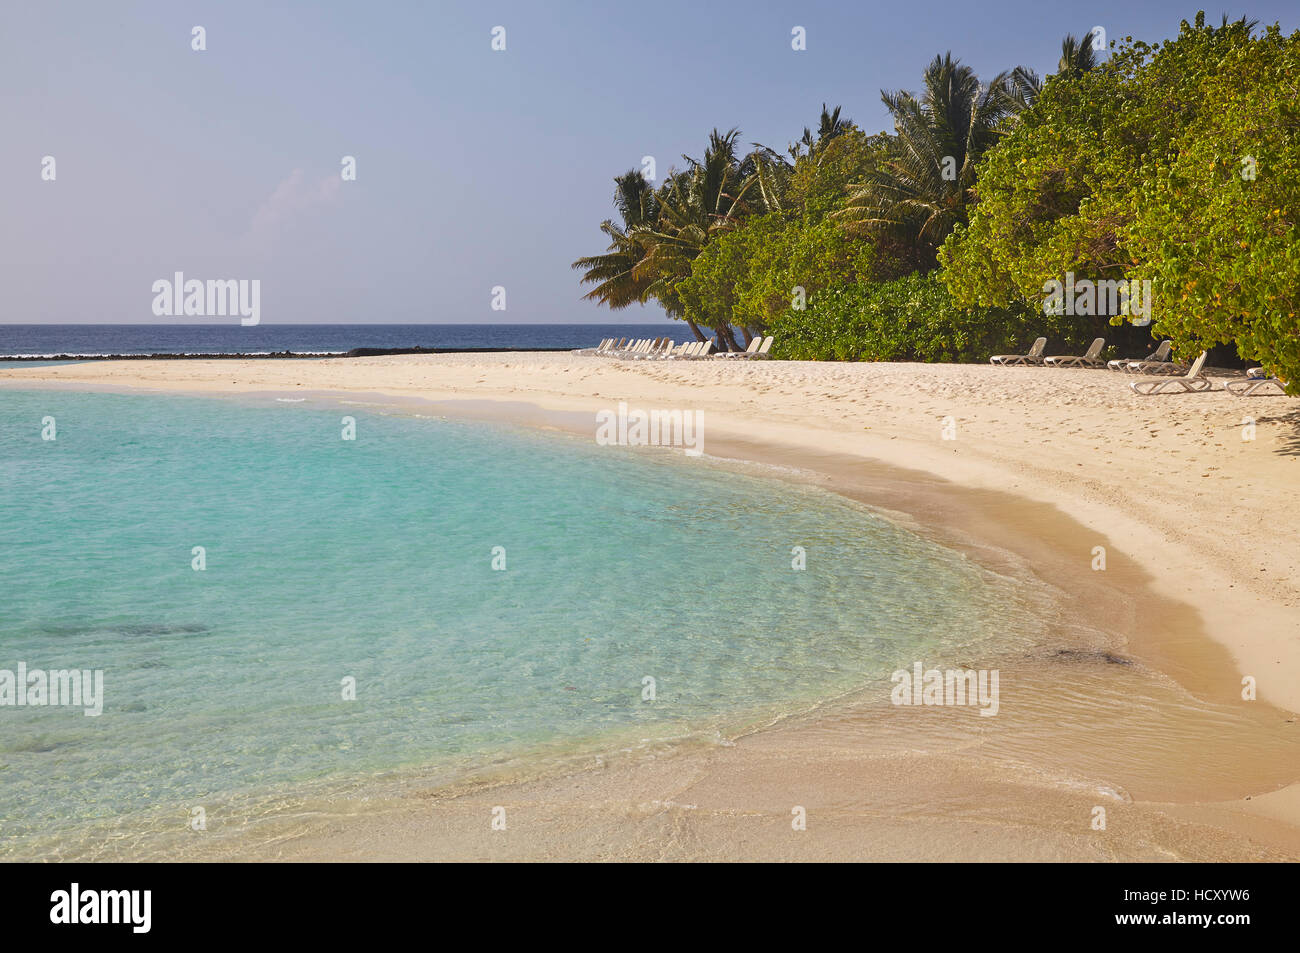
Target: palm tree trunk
<point x="695" y="329"/>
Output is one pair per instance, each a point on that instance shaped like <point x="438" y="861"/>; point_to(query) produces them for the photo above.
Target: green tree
<point x="749" y="275"/>
<point x="1217" y="229"/>
<point x="1134" y="171"/>
<point x="707" y="199"/>
<point x="820" y="179"/>
<point x="615" y="273"/>
<point x="921" y="190"/>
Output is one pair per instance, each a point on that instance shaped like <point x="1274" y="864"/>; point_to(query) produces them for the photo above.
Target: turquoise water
<point x="372" y="559"/>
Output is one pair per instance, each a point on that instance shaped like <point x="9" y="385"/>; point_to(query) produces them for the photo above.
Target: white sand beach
<point x="1202" y="584"/>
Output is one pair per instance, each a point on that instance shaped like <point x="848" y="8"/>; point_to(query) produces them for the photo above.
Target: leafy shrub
<point x="913" y="319"/>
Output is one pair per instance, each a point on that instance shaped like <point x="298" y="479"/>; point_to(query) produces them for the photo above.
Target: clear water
<point x="373" y="559"/>
<point x="234" y="338"/>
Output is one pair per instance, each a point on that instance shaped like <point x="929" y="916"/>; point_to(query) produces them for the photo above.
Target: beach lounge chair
<point x="658" y="349"/>
<point x="759" y="353"/>
<point x="1091" y="359"/>
<point x="754" y="344"/>
<point x="686" y="350"/>
<point x="1154" y="363"/>
<point x="1159" y="354"/>
<point x="1035" y="356"/>
<point x="704" y="350"/>
<point x="1255" y="383"/>
<point x="1191" y="383"/>
<point x="1161" y="368"/>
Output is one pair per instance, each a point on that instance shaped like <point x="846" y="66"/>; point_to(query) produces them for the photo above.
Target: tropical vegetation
<point x="1176" y="164"/>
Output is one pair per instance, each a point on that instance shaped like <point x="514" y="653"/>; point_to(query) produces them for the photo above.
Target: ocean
<point x="279" y="612"/>
<point x="48" y="340"/>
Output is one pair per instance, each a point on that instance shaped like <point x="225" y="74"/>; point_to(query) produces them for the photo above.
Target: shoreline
<point x="274" y="355"/>
<point x="964" y="500"/>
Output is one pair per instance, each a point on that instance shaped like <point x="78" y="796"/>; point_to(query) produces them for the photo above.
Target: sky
<point x="476" y="169"/>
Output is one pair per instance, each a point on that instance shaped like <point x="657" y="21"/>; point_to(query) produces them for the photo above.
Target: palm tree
<point x="922" y="188"/>
<point x="664" y="230"/>
<point x="1241" y="23"/>
<point x="711" y="195"/>
<point x="1024" y="86"/>
<point x="615" y="272"/>
<point x="768" y="173"/>
<point x="828" y="127"/>
<point x="766" y="177"/>
<point x="1077" y="57"/>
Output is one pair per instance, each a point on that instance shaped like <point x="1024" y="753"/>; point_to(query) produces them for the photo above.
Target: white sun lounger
<point x="758" y="353"/>
<point x="1191" y="383"/>
<point x="1091" y="359"/>
<point x="1035" y="356"/>
<point x="1157" y="362"/>
<point x="658" y="349"/>
<point x="650" y="350"/>
<point x="1253" y="385"/>
<point x="754" y="344"/>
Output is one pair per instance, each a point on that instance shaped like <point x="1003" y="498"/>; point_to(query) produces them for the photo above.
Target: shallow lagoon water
<point x="372" y="560"/>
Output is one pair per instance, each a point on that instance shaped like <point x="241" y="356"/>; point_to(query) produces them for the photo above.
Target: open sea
<point x="432" y="599"/>
<point x="48" y="340"/>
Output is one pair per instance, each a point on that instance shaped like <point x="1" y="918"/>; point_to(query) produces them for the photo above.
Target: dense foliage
<point x="749" y="275"/>
<point x="1176" y="164"/>
<point x="909" y="319"/>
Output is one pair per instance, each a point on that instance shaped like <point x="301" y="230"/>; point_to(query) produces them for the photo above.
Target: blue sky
<point x="475" y="168"/>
